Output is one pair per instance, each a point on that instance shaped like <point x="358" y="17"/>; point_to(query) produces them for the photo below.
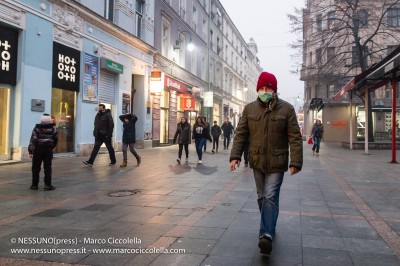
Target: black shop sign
<point x="66" y="67"/>
<point x="8" y="55"/>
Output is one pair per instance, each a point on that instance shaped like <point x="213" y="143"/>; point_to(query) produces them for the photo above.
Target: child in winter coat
<point x="43" y="140"/>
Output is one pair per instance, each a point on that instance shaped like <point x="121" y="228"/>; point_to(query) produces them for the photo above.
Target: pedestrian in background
<point x="215" y="133"/>
<point x="103" y="130"/>
<point x="129" y="138"/>
<point x="228" y="130"/>
<point x="270" y="125"/>
<point x="317" y="132"/>
<point x="208" y="125"/>
<point x="201" y="133"/>
<point x="182" y="135"/>
<point x="43" y="140"/>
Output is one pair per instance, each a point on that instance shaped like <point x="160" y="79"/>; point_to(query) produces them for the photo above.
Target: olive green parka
<point x="270" y="130"/>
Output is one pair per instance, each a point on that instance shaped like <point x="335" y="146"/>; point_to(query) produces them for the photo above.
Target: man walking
<point x="103" y="130"/>
<point x="215" y="133"/>
<point x="129" y="138"/>
<point x="228" y="130"/>
<point x="43" y="140"/>
<point x="270" y="126"/>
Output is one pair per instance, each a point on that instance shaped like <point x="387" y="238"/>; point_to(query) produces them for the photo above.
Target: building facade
<point x="333" y="53"/>
<point x="64" y="57"/>
<point x="208" y="80"/>
<point x="67" y="57"/>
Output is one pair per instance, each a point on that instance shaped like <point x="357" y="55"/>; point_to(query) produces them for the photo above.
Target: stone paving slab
<point x="343" y="208"/>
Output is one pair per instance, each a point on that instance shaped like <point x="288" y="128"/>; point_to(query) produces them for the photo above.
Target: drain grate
<point x="123" y="193"/>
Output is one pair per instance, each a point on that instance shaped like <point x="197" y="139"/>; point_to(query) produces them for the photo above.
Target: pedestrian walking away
<point x="201" y="134"/>
<point x="270" y="127"/>
<point x="103" y="130"/>
<point x="182" y="135"/>
<point x="129" y="138"/>
<point x="215" y="133"/>
<point x="317" y="132"/>
<point x="43" y="140"/>
<point x="228" y="131"/>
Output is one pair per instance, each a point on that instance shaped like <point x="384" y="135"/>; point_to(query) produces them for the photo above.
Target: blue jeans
<point x="268" y="189"/>
<point x="199" y="147"/>
<point x="317" y="142"/>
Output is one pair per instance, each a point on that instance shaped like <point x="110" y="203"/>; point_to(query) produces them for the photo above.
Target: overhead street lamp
<point x="178" y="42"/>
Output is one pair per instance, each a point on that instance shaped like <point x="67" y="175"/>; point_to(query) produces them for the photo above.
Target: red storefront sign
<point x="187" y="102"/>
<point x="174" y="85"/>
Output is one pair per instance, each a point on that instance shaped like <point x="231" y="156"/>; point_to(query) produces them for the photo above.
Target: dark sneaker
<point x="246" y="165"/>
<point x="178" y="160"/>
<point x="34" y="187"/>
<point x="49" y="187"/>
<point x="265" y="245"/>
<point x="112" y="163"/>
<point x="139" y="160"/>
<point x="212" y="151"/>
<point x="87" y="163"/>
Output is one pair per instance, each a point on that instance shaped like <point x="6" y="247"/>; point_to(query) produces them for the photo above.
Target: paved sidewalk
<point x="343" y="208"/>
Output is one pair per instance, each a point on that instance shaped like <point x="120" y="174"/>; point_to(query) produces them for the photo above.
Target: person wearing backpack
<point x="317" y="133"/>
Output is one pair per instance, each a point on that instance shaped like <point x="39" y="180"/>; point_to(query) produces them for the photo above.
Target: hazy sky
<point x="267" y="23"/>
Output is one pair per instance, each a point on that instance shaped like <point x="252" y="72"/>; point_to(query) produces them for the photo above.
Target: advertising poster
<point x="90" y="79"/>
<point x="126" y="103"/>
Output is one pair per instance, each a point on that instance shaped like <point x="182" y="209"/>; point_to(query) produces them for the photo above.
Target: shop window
<point x="63" y="110"/>
<point x="4" y="121"/>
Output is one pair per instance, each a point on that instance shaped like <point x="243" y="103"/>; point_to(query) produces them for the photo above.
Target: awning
<point x="348" y="87"/>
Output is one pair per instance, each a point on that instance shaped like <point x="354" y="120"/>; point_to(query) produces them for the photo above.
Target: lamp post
<point x="190" y="45"/>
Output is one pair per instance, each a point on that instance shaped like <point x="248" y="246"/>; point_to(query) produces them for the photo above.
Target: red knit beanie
<point x="267" y="80"/>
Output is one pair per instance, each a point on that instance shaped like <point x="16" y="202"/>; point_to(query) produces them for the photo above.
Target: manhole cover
<point x="123" y="193"/>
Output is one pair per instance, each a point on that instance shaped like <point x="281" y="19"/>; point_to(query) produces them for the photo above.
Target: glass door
<point x="63" y="110"/>
<point x="4" y="122"/>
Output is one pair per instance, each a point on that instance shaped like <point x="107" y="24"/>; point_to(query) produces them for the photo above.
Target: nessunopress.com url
<point x="63" y="251"/>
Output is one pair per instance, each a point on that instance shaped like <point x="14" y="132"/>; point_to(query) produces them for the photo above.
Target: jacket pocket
<point x="254" y="122"/>
<point x="278" y="123"/>
<point x="279" y="158"/>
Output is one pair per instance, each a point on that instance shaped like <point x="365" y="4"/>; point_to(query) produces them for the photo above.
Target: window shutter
<point x="107" y="84"/>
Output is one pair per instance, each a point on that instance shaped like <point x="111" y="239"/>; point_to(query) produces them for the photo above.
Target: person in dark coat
<point x="43" y="140"/>
<point x="201" y="133"/>
<point x="228" y="130"/>
<point x="208" y="125"/>
<point x="215" y="133"/>
<point x="103" y="130"/>
<point x="269" y="126"/>
<point x="129" y="138"/>
<point x="317" y="132"/>
<point x="182" y="135"/>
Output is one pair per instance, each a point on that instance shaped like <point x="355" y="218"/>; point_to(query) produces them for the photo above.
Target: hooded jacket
<point x="129" y="134"/>
<point x="43" y="136"/>
<point x="103" y="124"/>
<point x="270" y="130"/>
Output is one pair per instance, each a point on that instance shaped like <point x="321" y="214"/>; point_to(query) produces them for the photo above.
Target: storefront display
<point x="4" y="121"/>
<point x="66" y="77"/>
<point x="8" y="78"/>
